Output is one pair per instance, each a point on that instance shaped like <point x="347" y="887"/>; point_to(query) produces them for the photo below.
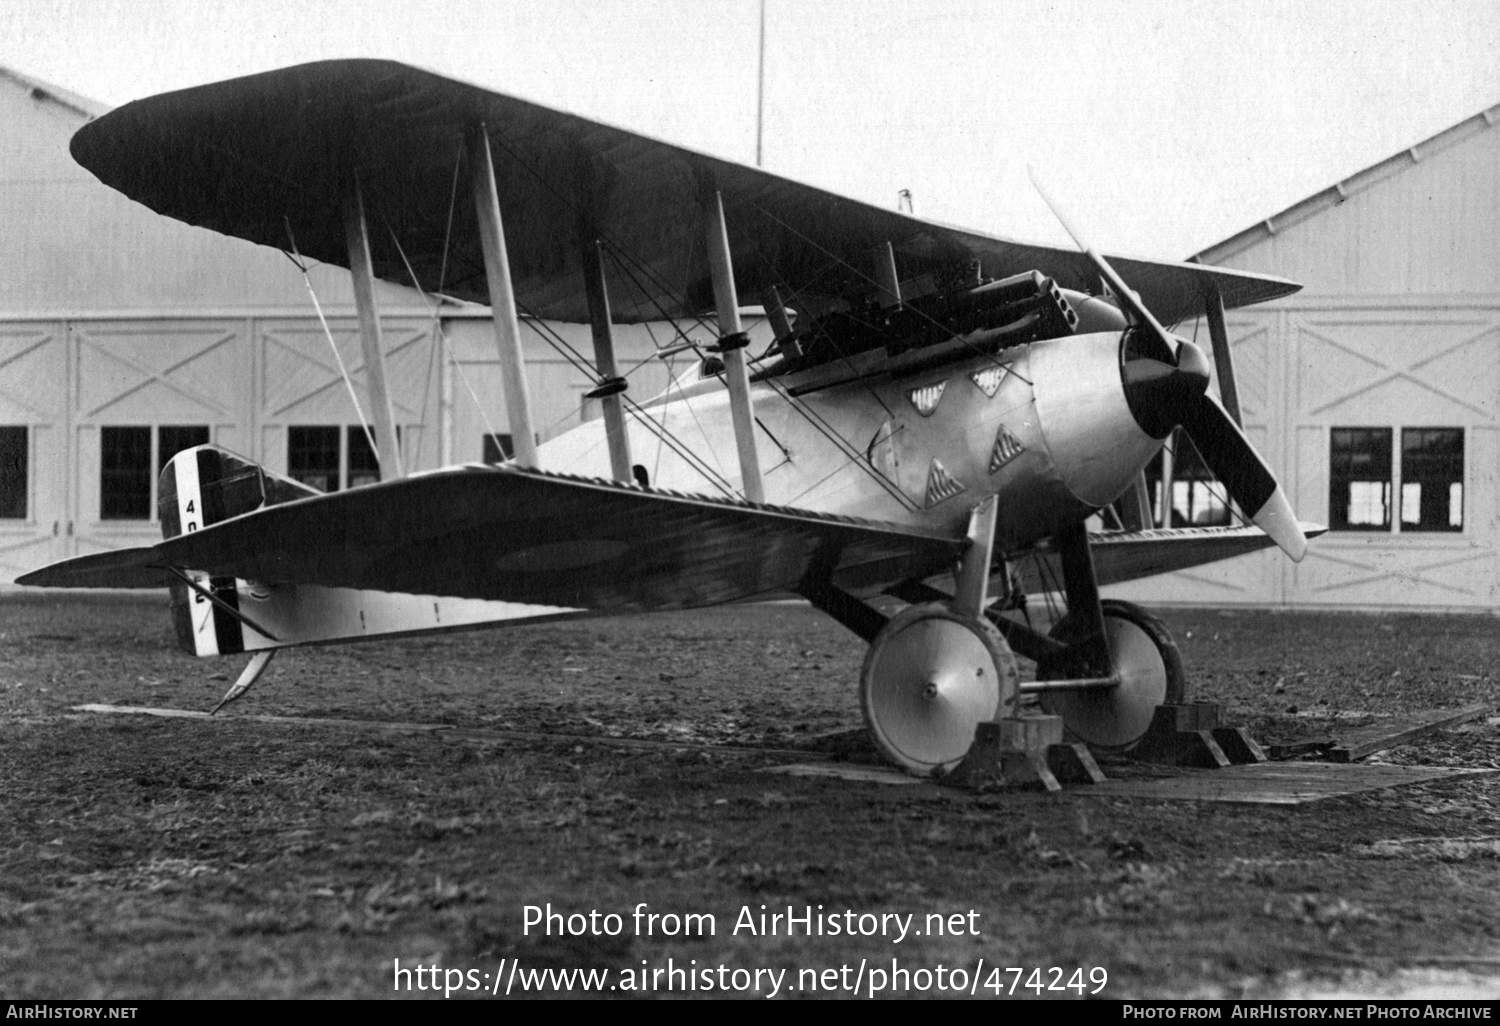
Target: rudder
<point x="199" y="487"/>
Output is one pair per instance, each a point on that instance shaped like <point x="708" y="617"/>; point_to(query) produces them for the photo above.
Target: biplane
<point x="937" y="405"/>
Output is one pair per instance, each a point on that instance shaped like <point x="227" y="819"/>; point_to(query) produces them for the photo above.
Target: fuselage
<point x="1044" y="426"/>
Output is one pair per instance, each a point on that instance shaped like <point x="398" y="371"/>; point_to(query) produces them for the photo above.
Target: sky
<point x="1161" y="126"/>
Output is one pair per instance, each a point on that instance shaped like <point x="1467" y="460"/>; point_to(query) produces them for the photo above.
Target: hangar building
<point x="125" y="336"/>
<point x="1374" y="393"/>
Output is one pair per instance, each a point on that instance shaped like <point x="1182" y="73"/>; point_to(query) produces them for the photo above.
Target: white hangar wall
<point x="1397" y="329"/>
<point x="116" y="322"/>
<point x="120" y="328"/>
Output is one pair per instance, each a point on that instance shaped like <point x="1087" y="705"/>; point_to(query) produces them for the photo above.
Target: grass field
<point x="145" y="857"/>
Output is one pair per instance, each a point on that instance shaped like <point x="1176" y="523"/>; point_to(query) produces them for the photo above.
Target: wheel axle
<point x="1032" y="687"/>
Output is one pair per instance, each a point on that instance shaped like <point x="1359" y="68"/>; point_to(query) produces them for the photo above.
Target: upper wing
<point x="1121" y="556"/>
<point x="516" y="535"/>
<point x="252" y="156"/>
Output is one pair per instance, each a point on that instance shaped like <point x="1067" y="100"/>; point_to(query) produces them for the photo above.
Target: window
<point x="125" y="473"/>
<point x="173" y="439"/>
<point x="330" y="458"/>
<point x="312" y="456"/>
<point x="364" y="465"/>
<point x="1198" y="499"/>
<point x="15" y="460"/>
<point x="127" y="470"/>
<point x="1359" y="479"/>
<point x="1432" y="479"/>
<point x="1366" y="495"/>
<point x="498" y="448"/>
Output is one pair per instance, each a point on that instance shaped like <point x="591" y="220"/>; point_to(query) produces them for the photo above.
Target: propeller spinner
<point x="1166" y="385"/>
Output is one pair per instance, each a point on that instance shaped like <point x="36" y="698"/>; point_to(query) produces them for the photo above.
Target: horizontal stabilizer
<point x="122" y="568"/>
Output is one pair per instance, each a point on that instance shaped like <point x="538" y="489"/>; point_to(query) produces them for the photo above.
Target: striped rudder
<point x="199" y="487"/>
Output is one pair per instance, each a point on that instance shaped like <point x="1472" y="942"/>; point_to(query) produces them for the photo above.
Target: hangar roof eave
<point x="46" y="91"/>
<point x="1342" y="190"/>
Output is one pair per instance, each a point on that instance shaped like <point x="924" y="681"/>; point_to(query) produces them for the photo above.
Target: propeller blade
<point x="1159" y="394"/>
<point x="1244" y="474"/>
<point x="1129" y="301"/>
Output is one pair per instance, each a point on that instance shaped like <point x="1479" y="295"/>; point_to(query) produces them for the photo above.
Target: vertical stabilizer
<point x="199" y="487"/>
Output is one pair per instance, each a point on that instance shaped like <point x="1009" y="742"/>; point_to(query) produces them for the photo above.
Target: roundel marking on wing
<point x="555" y="556"/>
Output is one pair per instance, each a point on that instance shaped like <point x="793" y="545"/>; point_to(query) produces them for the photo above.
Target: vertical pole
<point x="358" y="239"/>
<point x="502" y="298"/>
<point x="732" y="342"/>
<point x="1086" y="615"/>
<point x="885" y="273"/>
<point x="971" y="582"/>
<point x="781" y="324"/>
<point x="445" y="399"/>
<point x="612" y="386"/>
<point x="1164" y="518"/>
<point x="760" y="88"/>
<point x="1142" y="502"/>
<point x="1213" y="306"/>
<point x="775" y="309"/>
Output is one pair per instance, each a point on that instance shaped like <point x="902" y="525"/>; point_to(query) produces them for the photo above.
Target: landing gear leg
<point x="1150" y="673"/>
<point x="940" y="669"/>
<point x="936" y="670"/>
<point x="1107" y="638"/>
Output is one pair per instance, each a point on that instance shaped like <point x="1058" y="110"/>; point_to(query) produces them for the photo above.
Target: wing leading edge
<point x="249" y="156"/>
<point x="513" y="535"/>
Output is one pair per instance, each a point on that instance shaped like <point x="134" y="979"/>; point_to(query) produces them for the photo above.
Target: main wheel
<point x="1150" y="669"/>
<point x="931" y="675"/>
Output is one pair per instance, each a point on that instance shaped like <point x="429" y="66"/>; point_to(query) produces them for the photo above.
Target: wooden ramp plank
<point x="845" y="771"/>
<point x="1276" y="783"/>
<point x="1369" y="740"/>
<point x="443" y="732"/>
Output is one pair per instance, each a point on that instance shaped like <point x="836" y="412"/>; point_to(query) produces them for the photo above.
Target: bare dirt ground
<point x="186" y="858"/>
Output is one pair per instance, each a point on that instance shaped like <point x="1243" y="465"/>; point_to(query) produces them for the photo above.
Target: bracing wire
<point x="622" y="254"/>
<point x="442" y="336"/>
<point x="566" y="350"/>
<point x="296" y="258"/>
<point x="843" y="445"/>
<point x="1214" y="485"/>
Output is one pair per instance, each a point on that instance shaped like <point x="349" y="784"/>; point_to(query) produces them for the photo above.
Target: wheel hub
<point x="930" y="677"/>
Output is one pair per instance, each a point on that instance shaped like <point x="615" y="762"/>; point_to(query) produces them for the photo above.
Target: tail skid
<point x="258" y="662"/>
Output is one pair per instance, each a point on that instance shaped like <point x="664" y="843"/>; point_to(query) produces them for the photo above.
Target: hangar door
<point x="33" y="446"/>
<point x="141" y="391"/>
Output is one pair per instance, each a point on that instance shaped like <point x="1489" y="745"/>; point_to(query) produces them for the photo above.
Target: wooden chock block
<point x="1239" y="746"/>
<point x="1188" y="716"/>
<point x="1009" y="752"/>
<point x="1025" y="733"/>
<point x="1074" y="763"/>
<point x="1183" y="735"/>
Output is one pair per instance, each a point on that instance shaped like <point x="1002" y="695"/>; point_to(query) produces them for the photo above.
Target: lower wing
<point x="1121" y="556"/>
<point x="514" y="535"/>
